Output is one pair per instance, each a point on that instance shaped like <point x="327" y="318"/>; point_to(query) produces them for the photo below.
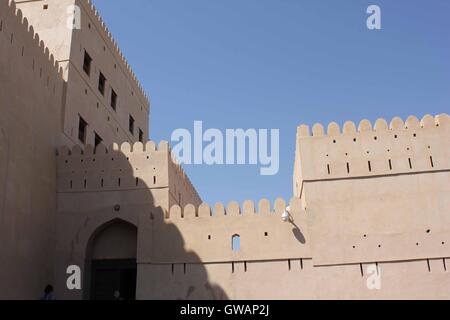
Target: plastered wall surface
<point x="370" y="204"/>
<point x="30" y="101"/>
<point x="82" y="96"/>
<point x="376" y="194"/>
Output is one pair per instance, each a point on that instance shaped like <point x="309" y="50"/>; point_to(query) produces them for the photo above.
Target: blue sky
<point x="279" y="64"/>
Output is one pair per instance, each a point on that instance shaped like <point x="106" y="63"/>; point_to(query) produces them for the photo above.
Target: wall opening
<point x="111" y="262"/>
<point x="236" y="243"/>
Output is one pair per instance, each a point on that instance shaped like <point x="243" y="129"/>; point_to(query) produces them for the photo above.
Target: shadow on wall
<point x="184" y="279"/>
<point x="3" y="169"/>
<point x="121" y="226"/>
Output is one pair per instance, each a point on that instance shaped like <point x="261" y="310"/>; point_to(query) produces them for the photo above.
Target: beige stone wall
<point x="30" y="107"/>
<point x="372" y="196"/>
<point x="377" y="194"/>
<point x="122" y="183"/>
<point x="383" y="218"/>
<point x="82" y="95"/>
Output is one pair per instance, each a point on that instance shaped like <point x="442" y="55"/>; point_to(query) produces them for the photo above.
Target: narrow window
<point x="131" y="125"/>
<point x="432" y="162"/>
<point x="82" y="128"/>
<point x="348" y="168"/>
<point x="370" y="166"/>
<point x="87" y="63"/>
<point x="113" y="99"/>
<point x="101" y="84"/>
<point x="98" y="140"/>
<point x="410" y="163"/>
<point x="236" y="243"/>
<point x="390" y="164"/>
<point x="141" y="136"/>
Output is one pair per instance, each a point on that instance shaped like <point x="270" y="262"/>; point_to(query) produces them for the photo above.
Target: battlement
<point x="210" y="233"/>
<point x="372" y="150"/>
<point x="119" y="166"/>
<point x="13" y="22"/>
<point x="107" y="34"/>
<point x="232" y="209"/>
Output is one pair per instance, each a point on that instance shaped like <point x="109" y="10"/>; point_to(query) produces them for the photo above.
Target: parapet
<point x="370" y="150"/>
<point x="209" y="232"/>
<point x="118" y="167"/>
<point x="107" y="34"/>
<point x="9" y="15"/>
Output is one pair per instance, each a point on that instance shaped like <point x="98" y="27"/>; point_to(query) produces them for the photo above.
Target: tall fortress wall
<point x="369" y="202"/>
<point x="30" y="110"/>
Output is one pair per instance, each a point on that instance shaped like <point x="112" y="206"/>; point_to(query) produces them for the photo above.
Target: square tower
<point x="103" y="101"/>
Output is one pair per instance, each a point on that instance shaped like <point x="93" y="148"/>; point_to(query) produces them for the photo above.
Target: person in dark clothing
<point x="48" y="293"/>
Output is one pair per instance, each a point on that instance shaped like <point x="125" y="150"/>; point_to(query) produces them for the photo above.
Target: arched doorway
<point x="112" y="262"/>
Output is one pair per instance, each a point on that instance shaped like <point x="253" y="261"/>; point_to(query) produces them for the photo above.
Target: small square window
<point x="45" y="6"/>
<point x="113" y="99"/>
<point x="98" y="140"/>
<point x="82" y="130"/>
<point x="101" y="84"/>
<point x="131" y="125"/>
<point x="87" y="63"/>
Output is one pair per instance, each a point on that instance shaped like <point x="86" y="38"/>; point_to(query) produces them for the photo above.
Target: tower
<point x="103" y="101"/>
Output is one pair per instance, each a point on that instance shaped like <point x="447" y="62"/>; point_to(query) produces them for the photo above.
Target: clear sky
<point x="279" y="64"/>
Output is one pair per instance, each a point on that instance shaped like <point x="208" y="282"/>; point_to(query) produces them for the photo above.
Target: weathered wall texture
<point x="345" y="228"/>
<point x="126" y="183"/>
<point x="378" y="194"/>
<point x="368" y="202"/>
<point x="30" y="107"/>
<point x="82" y="96"/>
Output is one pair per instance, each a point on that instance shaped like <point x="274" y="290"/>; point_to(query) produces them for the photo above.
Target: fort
<point x="82" y="185"/>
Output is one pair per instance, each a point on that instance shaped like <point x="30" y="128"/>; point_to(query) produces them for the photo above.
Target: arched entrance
<point x="112" y="262"/>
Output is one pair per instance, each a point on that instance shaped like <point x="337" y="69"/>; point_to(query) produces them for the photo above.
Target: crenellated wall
<point x="82" y="95"/>
<point x="209" y="233"/>
<point x="193" y="258"/>
<point x="123" y="167"/>
<point x="372" y="150"/>
<point x="379" y="193"/>
<point x="30" y="109"/>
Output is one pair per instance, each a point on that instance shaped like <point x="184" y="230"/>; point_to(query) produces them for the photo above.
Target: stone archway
<point x="111" y="262"/>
